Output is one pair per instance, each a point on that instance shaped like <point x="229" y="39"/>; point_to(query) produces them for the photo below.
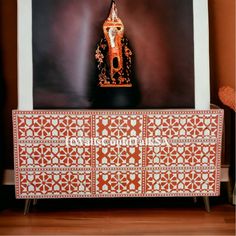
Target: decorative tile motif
<point x="177" y="182"/>
<point x="188" y="154"/>
<point x="185" y="126"/>
<point x="47" y="155"/>
<point x="43" y="127"/>
<point x="118" y="182"/>
<point x="119" y="126"/>
<point x="56" y="156"/>
<point x="119" y="156"/>
<point x="53" y="184"/>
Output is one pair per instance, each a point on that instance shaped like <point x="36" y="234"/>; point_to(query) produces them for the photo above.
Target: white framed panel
<point x="25" y="61"/>
<point x="201" y="55"/>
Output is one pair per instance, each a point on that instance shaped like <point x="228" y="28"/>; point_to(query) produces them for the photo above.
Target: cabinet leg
<point x="229" y="192"/>
<point x="234" y="195"/>
<point x="27" y="206"/>
<point x="35" y="201"/>
<point x="207" y="203"/>
<point x="195" y="200"/>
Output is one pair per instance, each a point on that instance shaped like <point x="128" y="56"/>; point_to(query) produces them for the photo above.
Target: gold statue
<point x="113" y="54"/>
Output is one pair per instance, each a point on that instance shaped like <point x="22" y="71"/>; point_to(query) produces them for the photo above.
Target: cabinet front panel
<point x="70" y="154"/>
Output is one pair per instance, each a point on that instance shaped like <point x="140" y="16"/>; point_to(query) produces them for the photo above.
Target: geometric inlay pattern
<point x="88" y="154"/>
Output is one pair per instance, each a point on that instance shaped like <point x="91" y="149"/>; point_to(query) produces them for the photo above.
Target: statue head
<point x="113" y="26"/>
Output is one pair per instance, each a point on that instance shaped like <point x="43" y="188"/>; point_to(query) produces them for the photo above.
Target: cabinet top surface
<point x="121" y="112"/>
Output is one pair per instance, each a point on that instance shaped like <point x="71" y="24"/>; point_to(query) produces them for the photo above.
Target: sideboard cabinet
<point x="77" y="154"/>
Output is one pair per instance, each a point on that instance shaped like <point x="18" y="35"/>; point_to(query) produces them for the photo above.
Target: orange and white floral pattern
<point x="45" y="167"/>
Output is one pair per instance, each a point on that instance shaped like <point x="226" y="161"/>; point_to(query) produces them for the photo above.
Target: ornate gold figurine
<point x="113" y="55"/>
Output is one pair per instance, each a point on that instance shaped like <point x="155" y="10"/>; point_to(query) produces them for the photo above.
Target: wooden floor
<point x="159" y="216"/>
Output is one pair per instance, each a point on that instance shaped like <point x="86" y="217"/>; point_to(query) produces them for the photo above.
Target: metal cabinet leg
<point x="234" y="195"/>
<point x="35" y="201"/>
<point x="229" y="192"/>
<point x="207" y="203"/>
<point x="27" y="206"/>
